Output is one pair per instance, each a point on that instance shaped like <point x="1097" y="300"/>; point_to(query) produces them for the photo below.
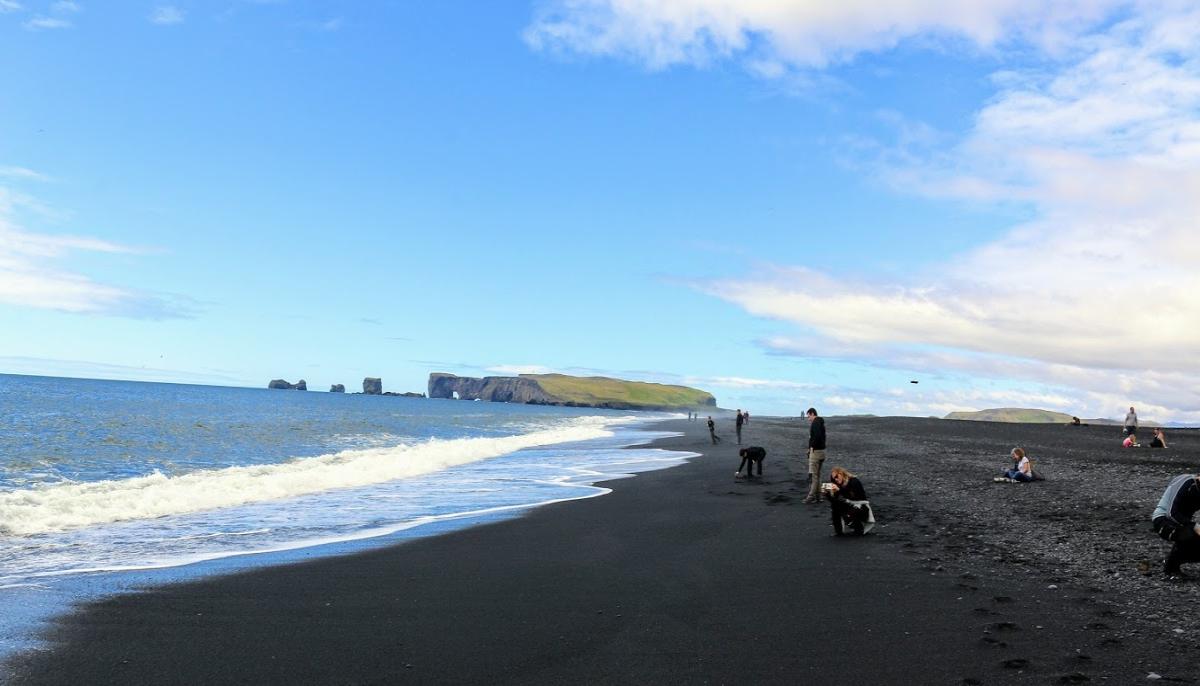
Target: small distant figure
<point x="816" y="454"/>
<point x="745" y="417"/>
<point x="1130" y="442"/>
<point x="1075" y="421"/>
<point x="738" y="420"/>
<point x="751" y="457"/>
<point x="712" y="431"/>
<point x="1160" y="438"/>
<point x="1022" y="469"/>
<point x="848" y="504"/>
<point x="1130" y="423"/>
<point x="689" y="415"/>
<point x="1173" y="522"/>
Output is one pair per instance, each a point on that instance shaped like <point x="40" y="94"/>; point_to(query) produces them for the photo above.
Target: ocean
<point x="107" y="486"/>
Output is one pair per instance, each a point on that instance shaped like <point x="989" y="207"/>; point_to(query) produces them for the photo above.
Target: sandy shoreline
<point x="685" y="576"/>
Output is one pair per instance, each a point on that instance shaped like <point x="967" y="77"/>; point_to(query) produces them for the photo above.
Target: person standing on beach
<point x="816" y="454"/>
<point x="1173" y="520"/>
<point x="738" y="421"/>
<point x="1130" y="422"/>
<point x="712" y="430"/>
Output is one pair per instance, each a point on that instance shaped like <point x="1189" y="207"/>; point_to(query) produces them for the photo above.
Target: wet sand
<point x="685" y="575"/>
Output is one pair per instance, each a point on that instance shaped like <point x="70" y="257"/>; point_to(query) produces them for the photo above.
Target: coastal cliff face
<point x="571" y="391"/>
<point x="500" y="389"/>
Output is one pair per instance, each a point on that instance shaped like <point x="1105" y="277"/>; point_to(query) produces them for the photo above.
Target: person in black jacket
<point x="712" y="431"/>
<point x="848" y="503"/>
<point x="816" y="454"/>
<point x="738" y="420"/>
<point x="751" y="456"/>
<point x="1174" y="521"/>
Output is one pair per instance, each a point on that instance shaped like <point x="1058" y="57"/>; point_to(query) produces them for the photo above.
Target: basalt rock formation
<point x="372" y="386"/>
<point x="500" y="389"/>
<point x="284" y="385"/>
<point x="337" y="388"/>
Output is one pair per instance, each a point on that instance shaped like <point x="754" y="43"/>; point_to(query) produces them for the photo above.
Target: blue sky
<point x="785" y="207"/>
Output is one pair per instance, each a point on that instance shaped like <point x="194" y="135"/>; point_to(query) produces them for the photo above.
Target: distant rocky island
<point x="370" y="386"/>
<point x="570" y="391"/>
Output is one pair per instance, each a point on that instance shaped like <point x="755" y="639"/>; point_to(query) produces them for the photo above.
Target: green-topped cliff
<point x="574" y="391"/>
<point x="1014" y="415"/>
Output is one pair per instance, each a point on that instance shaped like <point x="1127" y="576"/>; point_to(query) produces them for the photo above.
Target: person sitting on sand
<point x="1173" y="521"/>
<point x="1023" y="471"/>
<point x="750" y="457"/>
<point x="848" y="503"/>
<point x="1130" y="442"/>
<point x="1160" y="439"/>
<point x="712" y="430"/>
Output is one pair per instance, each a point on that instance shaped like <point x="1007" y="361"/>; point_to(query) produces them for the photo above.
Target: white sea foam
<point x="65" y="506"/>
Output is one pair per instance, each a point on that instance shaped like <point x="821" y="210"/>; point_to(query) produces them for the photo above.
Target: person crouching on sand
<point x="1130" y="442"/>
<point x="1173" y="522"/>
<point x="750" y="457"/>
<point x="1023" y="469"/>
<point x="848" y="503"/>
<point x="1160" y="439"/>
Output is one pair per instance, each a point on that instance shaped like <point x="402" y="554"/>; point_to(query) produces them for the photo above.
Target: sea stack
<point x="337" y="388"/>
<point x="372" y="386"/>
<point x="284" y="385"/>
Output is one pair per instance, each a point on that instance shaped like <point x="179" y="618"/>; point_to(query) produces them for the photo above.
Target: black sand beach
<point x="686" y="576"/>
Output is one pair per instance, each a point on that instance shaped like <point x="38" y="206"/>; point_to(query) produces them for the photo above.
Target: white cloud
<point x="1097" y="294"/>
<point x="30" y="275"/>
<point x="9" y="6"/>
<point x="771" y="36"/>
<point x="21" y="173"/>
<point x="166" y="14"/>
<point x="46" y="23"/>
<point x="65" y="7"/>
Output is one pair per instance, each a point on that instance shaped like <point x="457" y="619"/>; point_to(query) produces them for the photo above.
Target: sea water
<point x="111" y="485"/>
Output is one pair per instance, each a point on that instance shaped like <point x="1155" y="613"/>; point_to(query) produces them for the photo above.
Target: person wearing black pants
<point x="751" y="456"/>
<point x="1173" y="521"/>
<point x="846" y="488"/>
<point x="738" y="421"/>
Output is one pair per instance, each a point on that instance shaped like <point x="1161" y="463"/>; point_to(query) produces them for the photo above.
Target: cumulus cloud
<point x="771" y="37"/>
<point x="30" y="275"/>
<point x="1102" y="141"/>
<point x="166" y="15"/>
<point x="46" y="23"/>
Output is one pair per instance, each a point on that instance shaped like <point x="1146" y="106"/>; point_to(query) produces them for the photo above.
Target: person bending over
<point x="1022" y="469"/>
<point x="1173" y="521"/>
<point x="750" y="457"/>
<point x="848" y="503"/>
<point x="1160" y="439"/>
<point x="1130" y="442"/>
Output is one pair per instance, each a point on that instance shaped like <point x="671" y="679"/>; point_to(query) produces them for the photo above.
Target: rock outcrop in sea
<point x="372" y="386"/>
<point x="337" y="388"/>
<point x="280" y="384"/>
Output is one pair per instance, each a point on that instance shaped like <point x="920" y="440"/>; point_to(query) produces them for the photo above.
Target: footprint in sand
<point x="1074" y="678"/>
<point x="1004" y="626"/>
<point x="1015" y="663"/>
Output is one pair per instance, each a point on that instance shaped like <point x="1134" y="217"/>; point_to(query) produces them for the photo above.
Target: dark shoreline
<point x="684" y="576"/>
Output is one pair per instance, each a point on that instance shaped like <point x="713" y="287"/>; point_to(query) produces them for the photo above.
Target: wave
<point x="66" y="506"/>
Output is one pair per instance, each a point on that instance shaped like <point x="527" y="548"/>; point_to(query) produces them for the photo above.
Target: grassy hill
<point x="1013" y="414"/>
<point x="603" y="391"/>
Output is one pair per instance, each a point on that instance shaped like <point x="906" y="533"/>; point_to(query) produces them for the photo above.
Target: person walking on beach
<point x="712" y="430"/>
<point x="738" y="421"/>
<point x="1130" y="423"/>
<point x="1173" y="521"/>
<point x="816" y="454"/>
